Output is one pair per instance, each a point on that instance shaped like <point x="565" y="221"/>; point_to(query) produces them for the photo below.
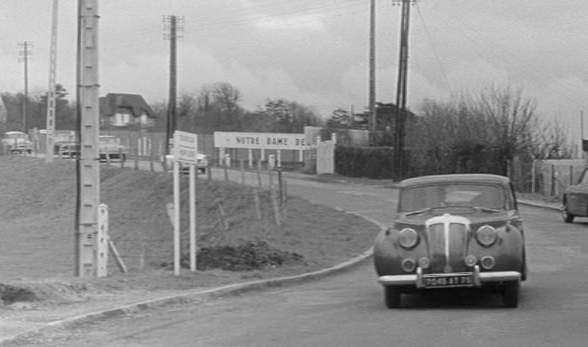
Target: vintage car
<point x="68" y="149"/>
<point x="575" y="199"/>
<point x="201" y="163"/>
<point x="453" y="231"/>
<point x="17" y="142"/>
<point x="109" y="148"/>
<point x="63" y="138"/>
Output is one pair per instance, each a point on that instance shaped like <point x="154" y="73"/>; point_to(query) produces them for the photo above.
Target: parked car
<point x="453" y="231"/>
<point x="17" y="142"/>
<point x="201" y="163"/>
<point x="68" y="149"/>
<point x="575" y="199"/>
<point x="109" y="148"/>
<point x="63" y="137"/>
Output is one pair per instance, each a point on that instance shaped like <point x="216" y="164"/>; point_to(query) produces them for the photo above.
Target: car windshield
<point x="16" y="136"/>
<point x="108" y="140"/>
<point x="485" y="197"/>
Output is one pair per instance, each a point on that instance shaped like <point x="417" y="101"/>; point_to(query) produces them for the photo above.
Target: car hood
<point x="474" y="218"/>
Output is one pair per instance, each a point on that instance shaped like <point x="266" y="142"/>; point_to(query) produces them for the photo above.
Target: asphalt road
<point x="348" y="309"/>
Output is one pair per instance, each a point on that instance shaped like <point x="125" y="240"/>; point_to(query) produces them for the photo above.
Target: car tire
<point x="566" y="216"/>
<point x="392" y="296"/>
<point x="510" y="294"/>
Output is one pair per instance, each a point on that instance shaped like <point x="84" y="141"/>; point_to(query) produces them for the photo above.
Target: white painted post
<point x="262" y="154"/>
<point x="176" y="173"/>
<point x="271" y="161"/>
<point x="221" y="156"/>
<point x="102" y="241"/>
<point x="250" y="157"/>
<point x="279" y="158"/>
<point x="301" y="155"/>
<point x="192" y="217"/>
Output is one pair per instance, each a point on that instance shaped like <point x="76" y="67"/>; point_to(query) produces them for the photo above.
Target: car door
<point x="577" y="196"/>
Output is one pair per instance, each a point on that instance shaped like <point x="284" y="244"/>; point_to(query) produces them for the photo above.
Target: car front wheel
<point x="510" y="294"/>
<point x="566" y="216"/>
<point x="392" y="296"/>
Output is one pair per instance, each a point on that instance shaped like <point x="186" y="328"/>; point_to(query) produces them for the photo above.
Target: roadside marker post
<point x="185" y="151"/>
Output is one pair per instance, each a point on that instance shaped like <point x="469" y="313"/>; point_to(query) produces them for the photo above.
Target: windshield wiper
<point x="411" y="213"/>
<point x="487" y="209"/>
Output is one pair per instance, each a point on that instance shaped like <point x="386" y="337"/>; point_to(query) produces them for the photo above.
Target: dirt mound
<point x="246" y="257"/>
<point x="11" y="294"/>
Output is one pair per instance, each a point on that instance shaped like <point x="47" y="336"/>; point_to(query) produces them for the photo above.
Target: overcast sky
<point x="316" y="52"/>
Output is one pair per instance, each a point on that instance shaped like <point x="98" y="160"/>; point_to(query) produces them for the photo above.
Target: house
<point x="124" y="111"/>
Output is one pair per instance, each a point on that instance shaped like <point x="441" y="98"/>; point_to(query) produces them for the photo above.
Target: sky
<point x="316" y="52"/>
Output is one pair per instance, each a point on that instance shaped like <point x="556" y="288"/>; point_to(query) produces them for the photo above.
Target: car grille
<point x="447" y="241"/>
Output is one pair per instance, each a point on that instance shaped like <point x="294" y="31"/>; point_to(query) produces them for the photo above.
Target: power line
<point x="25" y="51"/>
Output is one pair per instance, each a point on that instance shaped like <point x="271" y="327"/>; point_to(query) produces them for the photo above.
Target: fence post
<point x="259" y="184"/>
<point x="137" y="158"/>
<point x="533" y="176"/>
<point x="242" y="164"/>
<point x="552" y="192"/>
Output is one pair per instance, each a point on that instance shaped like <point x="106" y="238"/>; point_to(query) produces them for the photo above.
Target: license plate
<point x="447" y="281"/>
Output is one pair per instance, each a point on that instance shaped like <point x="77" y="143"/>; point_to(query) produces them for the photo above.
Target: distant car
<point x="453" y="231"/>
<point x="575" y="199"/>
<point x="62" y="137"/>
<point x="201" y="163"/>
<point x="17" y="142"/>
<point x="109" y="148"/>
<point x="68" y="149"/>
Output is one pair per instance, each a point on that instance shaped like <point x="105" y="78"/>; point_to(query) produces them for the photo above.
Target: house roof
<point x="135" y="103"/>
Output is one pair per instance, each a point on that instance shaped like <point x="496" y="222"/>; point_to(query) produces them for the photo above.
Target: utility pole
<point x="172" y="24"/>
<point x="24" y="53"/>
<point x="50" y="126"/>
<point x="372" y="78"/>
<point x="400" y="120"/>
<point x="88" y="169"/>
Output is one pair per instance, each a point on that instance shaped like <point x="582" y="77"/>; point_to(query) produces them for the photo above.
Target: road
<point x="348" y="309"/>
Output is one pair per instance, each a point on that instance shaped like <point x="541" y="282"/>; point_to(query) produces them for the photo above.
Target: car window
<point x="584" y="179"/>
<point x="453" y="195"/>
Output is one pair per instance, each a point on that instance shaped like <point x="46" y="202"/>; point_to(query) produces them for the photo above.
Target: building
<point x="125" y="111"/>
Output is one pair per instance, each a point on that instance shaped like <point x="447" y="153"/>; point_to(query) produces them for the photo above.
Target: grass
<point x="37" y="212"/>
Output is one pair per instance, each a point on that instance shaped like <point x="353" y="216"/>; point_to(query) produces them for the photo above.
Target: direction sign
<point x="185" y="147"/>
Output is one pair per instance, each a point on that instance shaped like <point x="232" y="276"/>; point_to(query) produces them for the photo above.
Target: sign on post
<point x="185" y="151"/>
<point x="185" y="147"/>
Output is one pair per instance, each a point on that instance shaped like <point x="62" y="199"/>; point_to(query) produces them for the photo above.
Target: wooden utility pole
<point x="173" y="24"/>
<point x="372" y="78"/>
<point x="400" y="119"/>
<point x="24" y="53"/>
<point x="50" y="126"/>
<point x="88" y="164"/>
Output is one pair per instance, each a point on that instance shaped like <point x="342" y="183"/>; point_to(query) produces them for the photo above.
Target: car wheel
<point x="510" y="294"/>
<point x="566" y="216"/>
<point x="392" y="296"/>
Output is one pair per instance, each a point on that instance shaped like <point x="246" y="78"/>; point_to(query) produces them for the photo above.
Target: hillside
<point x="38" y="208"/>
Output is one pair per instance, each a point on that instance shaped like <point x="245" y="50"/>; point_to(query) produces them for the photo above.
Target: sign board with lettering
<point x="259" y="140"/>
<point x="185" y="147"/>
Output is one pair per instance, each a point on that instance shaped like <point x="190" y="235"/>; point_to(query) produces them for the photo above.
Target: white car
<point x="17" y="142"/>
<point x="110" y="149"/>
<point x="201" y="163"/>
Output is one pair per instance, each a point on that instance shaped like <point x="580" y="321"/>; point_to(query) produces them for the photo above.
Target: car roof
<point x="14" y="133"/>
<point x="449" y="178"/>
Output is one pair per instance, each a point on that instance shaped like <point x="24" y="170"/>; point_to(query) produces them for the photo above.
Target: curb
<point x="196" y="295"/>
<point x="538" y="204"/>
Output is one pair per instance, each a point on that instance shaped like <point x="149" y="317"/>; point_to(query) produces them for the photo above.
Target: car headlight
<point x="486" y="235"/>
<point x="408" y="238"/>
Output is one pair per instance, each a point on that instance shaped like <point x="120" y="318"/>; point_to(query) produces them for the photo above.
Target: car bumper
<point x="479" y="278"/>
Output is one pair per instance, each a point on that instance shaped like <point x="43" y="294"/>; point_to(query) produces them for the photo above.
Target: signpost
<point x="185" y="151"/>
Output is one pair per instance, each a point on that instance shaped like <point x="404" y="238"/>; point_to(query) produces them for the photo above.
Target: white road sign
<point x="185" y="147"/>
